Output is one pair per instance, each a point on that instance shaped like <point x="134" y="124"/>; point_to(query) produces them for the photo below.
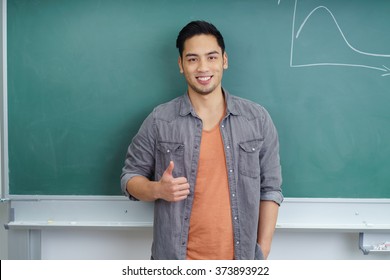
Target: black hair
<point x="198" y="27"/>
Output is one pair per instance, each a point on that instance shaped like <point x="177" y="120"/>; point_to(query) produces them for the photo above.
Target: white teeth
<point x="204" y="78"/>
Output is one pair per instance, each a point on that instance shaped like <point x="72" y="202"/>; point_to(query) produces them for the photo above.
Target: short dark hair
<point x="198" y="27"/>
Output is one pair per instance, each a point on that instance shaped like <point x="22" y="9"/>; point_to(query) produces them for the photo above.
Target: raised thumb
<point x="169" y="169"/>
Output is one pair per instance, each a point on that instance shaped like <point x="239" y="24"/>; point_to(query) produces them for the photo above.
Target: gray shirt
<point x="173" y="132"/>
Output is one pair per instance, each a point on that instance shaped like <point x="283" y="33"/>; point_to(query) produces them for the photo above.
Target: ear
<point x="225" y="61"/>
<point x="179" y="62"/>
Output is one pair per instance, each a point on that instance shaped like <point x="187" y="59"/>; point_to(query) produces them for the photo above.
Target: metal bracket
<point x="377" y="243"/>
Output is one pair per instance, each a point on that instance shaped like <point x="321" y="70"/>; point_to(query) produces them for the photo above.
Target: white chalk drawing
<point x="295" y="36"/>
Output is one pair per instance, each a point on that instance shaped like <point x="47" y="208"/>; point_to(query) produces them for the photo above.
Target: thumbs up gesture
<point x="173" y="189"/>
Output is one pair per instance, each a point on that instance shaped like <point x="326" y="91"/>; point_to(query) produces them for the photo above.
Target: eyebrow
<point x="193" y="54"/>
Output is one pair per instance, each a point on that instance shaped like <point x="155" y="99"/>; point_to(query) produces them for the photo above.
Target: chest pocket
<point x="166" y="152"/>
<point x="249" y="161"/>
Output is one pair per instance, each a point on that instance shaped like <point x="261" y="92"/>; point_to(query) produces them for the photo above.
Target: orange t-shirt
<point x="211" y="229"/>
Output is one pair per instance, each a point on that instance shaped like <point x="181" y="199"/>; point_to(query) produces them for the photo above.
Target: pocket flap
<point x="167" y="147"/>
<point x="251" y="146"/>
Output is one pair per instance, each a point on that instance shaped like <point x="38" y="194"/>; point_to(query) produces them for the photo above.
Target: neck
<point x="206" y="102"/>
<point x="210" y="107"/>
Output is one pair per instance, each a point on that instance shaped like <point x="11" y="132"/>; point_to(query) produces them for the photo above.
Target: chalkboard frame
<point x="5" y="178"/>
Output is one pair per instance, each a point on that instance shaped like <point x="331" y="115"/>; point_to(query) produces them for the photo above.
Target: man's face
<point x="203" y="63"/>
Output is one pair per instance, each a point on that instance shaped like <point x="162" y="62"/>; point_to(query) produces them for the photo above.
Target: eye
<point x="192" y="59"/>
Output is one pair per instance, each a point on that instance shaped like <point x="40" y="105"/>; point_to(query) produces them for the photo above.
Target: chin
<point x="203" y="91"/>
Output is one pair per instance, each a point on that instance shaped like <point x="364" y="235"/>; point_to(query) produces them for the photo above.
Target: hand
<point x="265" y="250"/>
<point x="173" y="189"/>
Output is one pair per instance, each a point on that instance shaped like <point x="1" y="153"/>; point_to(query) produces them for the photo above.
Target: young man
<point x="210" y="162"/>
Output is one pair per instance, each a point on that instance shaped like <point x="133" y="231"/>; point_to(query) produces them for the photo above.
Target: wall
<point x="121" y="229"/>
<point x="3" y="206"/>
<point x="3" y="232"/>
<point x="135" y="244"/>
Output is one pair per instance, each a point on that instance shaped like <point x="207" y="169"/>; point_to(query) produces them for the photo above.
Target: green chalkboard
<point x="83" y="74"/>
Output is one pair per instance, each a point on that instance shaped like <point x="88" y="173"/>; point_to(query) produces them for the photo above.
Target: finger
<point x="185" y="193"/>
<point x="180" y="188"/>
<point x="180" y="180"/>
<point x="176" y="199"/>
<point x="169" y="169"/>
<point x="181" y="195"/>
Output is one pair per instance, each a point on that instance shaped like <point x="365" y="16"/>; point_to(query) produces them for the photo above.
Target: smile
<point x="204" y="79"/>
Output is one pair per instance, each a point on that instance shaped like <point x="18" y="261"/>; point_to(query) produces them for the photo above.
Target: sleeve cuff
<point x="124" y="181"/>
<point x="275" y="196"/>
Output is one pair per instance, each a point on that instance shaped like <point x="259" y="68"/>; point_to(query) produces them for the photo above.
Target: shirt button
<point x="168" y="151"/>
<point x="228" y="147"/>
<point x="238" y="242"/>
<point x="253" y="149"/>
<point x="233" y="194"/>
<point x="235" y="218"/>
<point x="223" y="126"/>
<point x="231" y="170"/>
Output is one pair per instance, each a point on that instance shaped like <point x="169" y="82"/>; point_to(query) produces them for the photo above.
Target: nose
<point x="202" y="65"/>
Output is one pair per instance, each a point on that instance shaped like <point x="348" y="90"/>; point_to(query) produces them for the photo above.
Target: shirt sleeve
<point x="271" y="177"/>
<point x="140" y="155"/>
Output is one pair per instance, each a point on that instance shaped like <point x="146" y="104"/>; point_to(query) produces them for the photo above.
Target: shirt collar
<point x="187" y="108"/>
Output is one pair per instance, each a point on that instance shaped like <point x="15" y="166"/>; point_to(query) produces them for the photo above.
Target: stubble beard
<point x="202" y="91"/>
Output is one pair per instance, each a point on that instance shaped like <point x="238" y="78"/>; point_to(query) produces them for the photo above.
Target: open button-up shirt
<point x="173" y="132"/>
